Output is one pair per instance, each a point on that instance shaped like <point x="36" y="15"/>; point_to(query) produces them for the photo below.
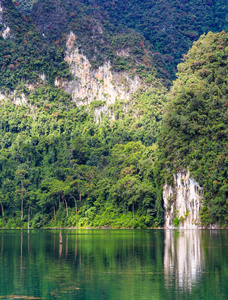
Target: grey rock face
<point x="101" y="84"/>
<point x="183" y="201"/>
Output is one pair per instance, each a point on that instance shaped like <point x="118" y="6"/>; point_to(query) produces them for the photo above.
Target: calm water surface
<point x="114" y="264"/>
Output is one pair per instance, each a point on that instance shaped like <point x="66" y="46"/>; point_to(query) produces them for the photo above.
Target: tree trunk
<point x="80" y="196"/>
<point x="133" y="206"/>
<point x="22" y="200"/>
<point x="3" y="212"/>
<point x="66" y="207"/>
<point x="28" y="216"/>
<point x="2" y="209"/>
<point x="76" y="208"/>
<point x="64" y="199"/>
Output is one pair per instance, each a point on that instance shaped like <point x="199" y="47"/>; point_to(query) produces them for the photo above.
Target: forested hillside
<point x="25" y="54"/>
<point x="59" y="166"/>
<point x="195" y="130"/>
<point x="169" y="27"/>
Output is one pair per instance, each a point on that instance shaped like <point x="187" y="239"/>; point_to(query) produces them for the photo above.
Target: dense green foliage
<point x="167" y="28"/>
<point x="25" y="54"/>
<point x="58" y="167"/>
<point x="57" y="162"/>
<point x="99" y="39"/>
<point x="24" y="6"/>
<point x="195" y="131"/>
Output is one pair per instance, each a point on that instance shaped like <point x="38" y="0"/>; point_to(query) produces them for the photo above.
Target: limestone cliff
<point x="102" y="84"/>
<point x="183" y="202"/>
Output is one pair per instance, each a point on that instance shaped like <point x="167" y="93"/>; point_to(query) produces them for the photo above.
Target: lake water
<point x="114" y="264"/>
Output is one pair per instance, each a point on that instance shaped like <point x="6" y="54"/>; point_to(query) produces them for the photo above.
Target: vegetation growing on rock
<point x="195" y="131"/>
<point x="59" y="167"/>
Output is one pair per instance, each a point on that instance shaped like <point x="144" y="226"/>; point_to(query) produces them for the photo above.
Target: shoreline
<point x="111" y="228"/>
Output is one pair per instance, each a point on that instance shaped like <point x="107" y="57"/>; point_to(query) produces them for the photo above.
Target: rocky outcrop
<point x="18" y="97"/>
<point x="183" y="202"/>
<point x="101" y="85"/>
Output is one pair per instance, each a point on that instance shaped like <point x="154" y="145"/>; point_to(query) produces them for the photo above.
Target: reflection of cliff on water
<point x="114" y="264"/>
<point x="183" y="258"/>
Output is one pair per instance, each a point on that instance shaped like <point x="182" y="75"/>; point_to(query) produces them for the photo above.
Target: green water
<point x="114" y="264"/>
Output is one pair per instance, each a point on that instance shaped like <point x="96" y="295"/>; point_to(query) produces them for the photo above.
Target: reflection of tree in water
<point x="96" y="261"/>
<point x="114" y="264"/>
<point x="183" y="258"/>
